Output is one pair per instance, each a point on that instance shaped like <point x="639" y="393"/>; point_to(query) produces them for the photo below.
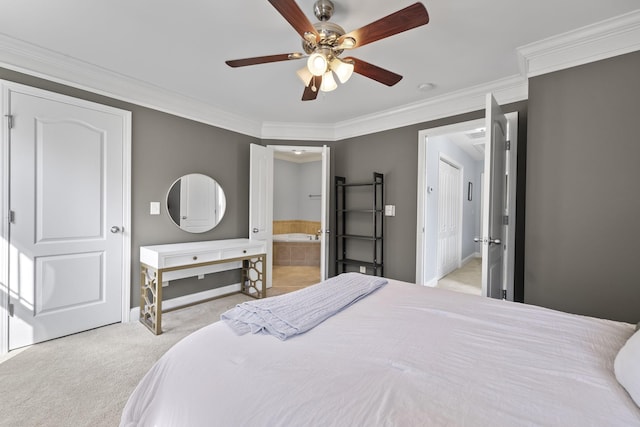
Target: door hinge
<point x="505" y="220"/>
<point x="504" y="294"/>
<point x="12" y="217"/>
<point x="507" y="145"/>
<point x="9" y="120"/>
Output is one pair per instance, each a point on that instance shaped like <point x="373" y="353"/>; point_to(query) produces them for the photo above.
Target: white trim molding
<point x="510" y="89"/>
<point x="606" y="39"/>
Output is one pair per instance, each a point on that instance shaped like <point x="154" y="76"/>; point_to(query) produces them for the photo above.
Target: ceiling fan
<point x="324" y="42"/>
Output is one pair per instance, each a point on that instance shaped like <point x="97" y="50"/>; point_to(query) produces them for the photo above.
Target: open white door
<point x="493" y="209"/>
<point x="261" y="200"/>
<point x="324" y="216"/>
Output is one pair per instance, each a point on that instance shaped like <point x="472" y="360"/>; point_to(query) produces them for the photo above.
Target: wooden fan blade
<point x="290" y="10"/>
<point x="263" y="59"/>
<point x="374" y="72"/>
<point x="309" y="94"/>
<point x="398" y="22"/>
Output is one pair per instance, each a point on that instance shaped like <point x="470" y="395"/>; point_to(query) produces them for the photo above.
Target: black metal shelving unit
<point x="352" y="248"/>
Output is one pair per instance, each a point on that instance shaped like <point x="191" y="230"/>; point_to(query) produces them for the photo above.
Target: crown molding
<point x="298" y="131"/>
<point x="33" y="60"/>
<point x="605" y="39"/>
<point x="506" y="90"/>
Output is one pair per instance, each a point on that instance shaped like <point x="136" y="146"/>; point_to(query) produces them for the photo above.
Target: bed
<point x="404" y="355"/>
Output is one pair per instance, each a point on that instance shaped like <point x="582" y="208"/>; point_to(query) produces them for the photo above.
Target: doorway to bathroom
<point x="299" y="217"/>
<point x="297" y="197"/>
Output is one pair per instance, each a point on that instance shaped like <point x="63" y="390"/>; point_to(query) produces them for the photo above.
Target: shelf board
<point x="359" y="184"/>
<point x="362" y="210"/>
<point x="358" y="262"/>
<point x="355" y="236"/>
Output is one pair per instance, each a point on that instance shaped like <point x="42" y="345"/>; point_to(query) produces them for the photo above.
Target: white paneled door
<point x="449" y="209"/>
<point x="493" y="241"/>
<point x="261" y="200"/>
<point x="324" y="216"/>
<point x="66" y="223"/>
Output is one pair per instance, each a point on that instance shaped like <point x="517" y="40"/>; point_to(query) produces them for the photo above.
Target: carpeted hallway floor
<point x="467" y="279"/>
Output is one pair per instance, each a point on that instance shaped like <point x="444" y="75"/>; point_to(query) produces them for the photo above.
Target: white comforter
<point x="403" y="356"/>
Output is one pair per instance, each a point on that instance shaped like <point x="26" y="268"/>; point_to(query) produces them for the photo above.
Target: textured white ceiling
<point x="182" y="46"/>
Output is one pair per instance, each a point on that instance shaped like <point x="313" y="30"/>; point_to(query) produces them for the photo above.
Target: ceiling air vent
<point x="476" y="134"/>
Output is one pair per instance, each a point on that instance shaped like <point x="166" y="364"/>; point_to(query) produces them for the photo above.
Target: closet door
<point x="449" y="209"/>
<point x="66" y="229"/>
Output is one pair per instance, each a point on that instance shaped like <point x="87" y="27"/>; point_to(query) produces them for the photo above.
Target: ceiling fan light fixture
<point x="305" y="75"/>
<point x="343" y="69"/>
<point x="328" y="82"/>
<point x="317" y="64"/>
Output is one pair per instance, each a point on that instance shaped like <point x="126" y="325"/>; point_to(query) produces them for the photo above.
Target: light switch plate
<point x="154" y="208"/>
<point x="390" y="210"/>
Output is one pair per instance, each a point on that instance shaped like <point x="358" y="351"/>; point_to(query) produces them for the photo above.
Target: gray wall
<point x="292" y="184"/>
<point x="583" y="202"/>
<point x="310" y="176"/>
<point x="285" y="191"/>
<point x="165" y="147"/>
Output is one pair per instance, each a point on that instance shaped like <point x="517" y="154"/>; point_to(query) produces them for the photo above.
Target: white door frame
<point x="7" y="87"/>
<point x="421" y="237"/>
<point x="324" y="269"/>
<point x="447" y="159"/>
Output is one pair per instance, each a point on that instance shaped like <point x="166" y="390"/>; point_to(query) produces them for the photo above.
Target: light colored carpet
<point x="85" y="379"/>
<point x="467" y="279"/>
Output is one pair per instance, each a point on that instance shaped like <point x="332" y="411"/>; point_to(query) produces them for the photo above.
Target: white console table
<point x="191" y="259"/>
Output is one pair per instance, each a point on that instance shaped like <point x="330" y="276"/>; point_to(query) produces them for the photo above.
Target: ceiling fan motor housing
<point x="323" y="9"/>
<point x="329" y="34"/>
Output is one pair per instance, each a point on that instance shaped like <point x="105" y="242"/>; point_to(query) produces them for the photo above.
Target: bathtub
<point x="296" y="249"/>
<point x="295" y="237"/>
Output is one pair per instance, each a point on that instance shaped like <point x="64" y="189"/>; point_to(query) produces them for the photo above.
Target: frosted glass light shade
<point x="343" y="70"/>
<point x="317" y="64"/>
<point x="328" y="82"/>
<point x="305" y="75"/>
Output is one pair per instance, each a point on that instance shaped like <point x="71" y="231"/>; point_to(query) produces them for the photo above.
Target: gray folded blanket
<point x="297" y="312"/>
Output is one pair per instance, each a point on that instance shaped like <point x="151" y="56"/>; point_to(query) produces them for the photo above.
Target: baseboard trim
<point x="470" y="257"/>
<point x="189" y="299"/>
<point x="432" y="283"/>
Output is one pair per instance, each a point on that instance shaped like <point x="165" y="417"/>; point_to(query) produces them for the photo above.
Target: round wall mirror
<point x="196" y="203"/>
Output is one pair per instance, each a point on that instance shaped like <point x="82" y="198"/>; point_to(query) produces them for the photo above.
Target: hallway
<point x="466" y="279"/>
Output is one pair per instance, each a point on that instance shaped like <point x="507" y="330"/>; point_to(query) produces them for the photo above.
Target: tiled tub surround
<point x="296" y="226"/>
<point x="303" y="252"/>
<point x="297" y="253"/>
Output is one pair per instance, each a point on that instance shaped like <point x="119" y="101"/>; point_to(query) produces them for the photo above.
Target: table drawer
<point x="240" y="252"/>
<point x="189" y="259"/>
